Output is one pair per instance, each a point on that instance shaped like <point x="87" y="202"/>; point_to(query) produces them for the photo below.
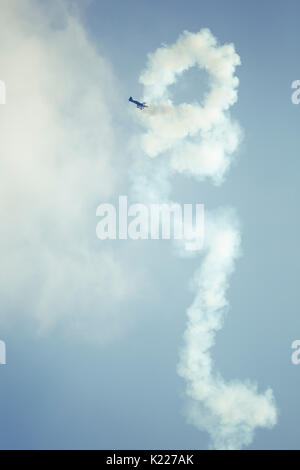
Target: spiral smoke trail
<point x="199" y="140"/>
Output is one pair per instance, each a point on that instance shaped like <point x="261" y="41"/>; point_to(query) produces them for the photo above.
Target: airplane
<point x="139" y="105"/>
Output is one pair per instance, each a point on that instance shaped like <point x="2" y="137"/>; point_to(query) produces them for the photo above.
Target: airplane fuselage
<point x="137" y="103"/>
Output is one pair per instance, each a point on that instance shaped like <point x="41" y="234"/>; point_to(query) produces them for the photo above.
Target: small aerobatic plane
<point x="139" y="105"/>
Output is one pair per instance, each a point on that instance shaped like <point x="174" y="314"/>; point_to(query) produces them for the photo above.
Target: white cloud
<point x="57" y="151"/>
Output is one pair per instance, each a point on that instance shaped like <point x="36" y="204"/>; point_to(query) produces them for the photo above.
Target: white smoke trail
<point x="199" y="140"/>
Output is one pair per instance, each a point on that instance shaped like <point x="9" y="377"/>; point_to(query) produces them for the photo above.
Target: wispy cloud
<point x="57" y="152"/>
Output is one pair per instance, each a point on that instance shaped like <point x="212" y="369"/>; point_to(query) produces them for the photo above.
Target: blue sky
<point x="95" y="367"/>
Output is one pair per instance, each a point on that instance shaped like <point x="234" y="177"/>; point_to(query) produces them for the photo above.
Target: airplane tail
<point x="130" y="99"/>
